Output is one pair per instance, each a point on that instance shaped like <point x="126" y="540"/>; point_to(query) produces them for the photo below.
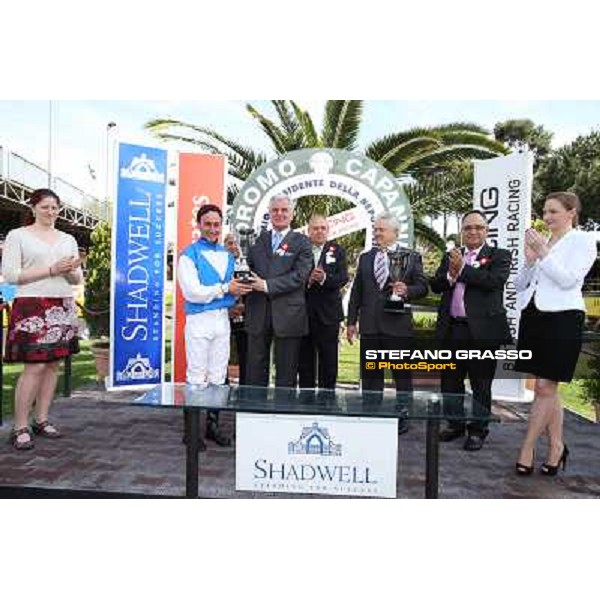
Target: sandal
<point x="45" y="429"/>
<point x="14" y="439"/>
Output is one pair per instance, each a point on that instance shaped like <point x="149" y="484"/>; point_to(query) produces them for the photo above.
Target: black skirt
<point x="554" y="338"/>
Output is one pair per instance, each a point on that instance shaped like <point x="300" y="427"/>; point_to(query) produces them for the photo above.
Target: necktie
<point x="275" y="239"/>
<point x="457" y="307"/>
<point x="317" y="254"/>
<point x="381" y="269"/>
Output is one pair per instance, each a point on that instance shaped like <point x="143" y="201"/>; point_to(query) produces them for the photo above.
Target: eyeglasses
<point x="474" y="228"/>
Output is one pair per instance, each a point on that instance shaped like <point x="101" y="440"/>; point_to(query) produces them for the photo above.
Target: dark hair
<point x="36" y="197"/>
<point x="206" y="209"/>
<point x="570" y="201"/>
<point x="474" y="212"/>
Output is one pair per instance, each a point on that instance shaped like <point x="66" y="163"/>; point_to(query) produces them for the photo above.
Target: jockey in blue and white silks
<point x="204" y="273"/>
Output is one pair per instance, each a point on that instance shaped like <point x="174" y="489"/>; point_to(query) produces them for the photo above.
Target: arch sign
<point x="325" y="172"/>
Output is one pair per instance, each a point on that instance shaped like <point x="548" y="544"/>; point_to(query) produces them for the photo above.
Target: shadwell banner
<point x="138" y="268"/>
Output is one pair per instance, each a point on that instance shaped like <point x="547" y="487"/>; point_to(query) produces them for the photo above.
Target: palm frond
<point x="393" y="151"/>
<point x="274" y="132"/>
<point x="309" y="132"/>
<point x="449" y="191"/>
<point x="245" y="153"/>
<point x="438" y="159"/>
<point x="342" y="123"/>
<point x="287" y="117"/>
<point x="380" y="149"/>
<point x="427" y="234"/>
<point x="467" y="138"/>
<point x="461" y="126"/>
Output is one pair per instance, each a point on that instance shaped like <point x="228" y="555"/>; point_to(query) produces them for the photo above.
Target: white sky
<point x="79" y="127"/>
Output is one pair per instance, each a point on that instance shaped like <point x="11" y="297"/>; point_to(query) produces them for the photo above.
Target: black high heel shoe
<point x="524" y="470"/>
<point x="551" y="470"/>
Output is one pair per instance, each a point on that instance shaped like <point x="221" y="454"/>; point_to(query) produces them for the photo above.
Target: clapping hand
<point x="535" y="245"/>
<point x="65" y="265"/>
<point x="75" y="262"/>
<point x="456" y="263"/>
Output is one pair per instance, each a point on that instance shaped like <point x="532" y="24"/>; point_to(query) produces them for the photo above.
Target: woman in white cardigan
<point x="552" y="318"/>
<point x="44" y="263"/>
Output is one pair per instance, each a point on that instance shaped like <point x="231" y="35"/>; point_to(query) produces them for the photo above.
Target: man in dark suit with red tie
<point x="319" y="349"/>
<point x="472" y="316"/>
<point x="281" y="261"/>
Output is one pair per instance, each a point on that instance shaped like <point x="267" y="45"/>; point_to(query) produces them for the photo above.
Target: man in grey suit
<point x="372" y="287"/>
<point x="281" y="261"/>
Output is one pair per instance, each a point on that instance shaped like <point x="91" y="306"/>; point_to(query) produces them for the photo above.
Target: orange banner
<point x="201" y="181"/>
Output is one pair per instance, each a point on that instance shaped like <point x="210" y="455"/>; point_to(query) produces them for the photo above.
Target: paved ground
<point x="126" y="449"/>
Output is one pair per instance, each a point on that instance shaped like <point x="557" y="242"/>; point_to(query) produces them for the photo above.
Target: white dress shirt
<point x="556" y="280"/>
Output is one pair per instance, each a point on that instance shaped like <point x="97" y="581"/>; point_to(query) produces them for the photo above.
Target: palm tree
<point x="436" y="160"/>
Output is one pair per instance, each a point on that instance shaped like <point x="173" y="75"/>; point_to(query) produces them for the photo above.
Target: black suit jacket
<point x="484" y="288"/>
<point x="325" y="301"/>
<point x="285" y="271"/>
<point x="367" y="300"/>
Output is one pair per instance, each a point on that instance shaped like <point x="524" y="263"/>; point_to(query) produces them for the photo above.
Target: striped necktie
<point x="381" y="269"/>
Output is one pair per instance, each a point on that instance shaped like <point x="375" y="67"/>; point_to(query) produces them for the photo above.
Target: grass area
<point x="348" y="371"/>
<point x="574" y="398"/>
<point x="84" y="373"/>
<point x="573" y="394"/>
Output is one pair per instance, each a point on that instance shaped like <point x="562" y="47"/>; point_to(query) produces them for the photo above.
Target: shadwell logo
<point x="143" y="168"/>
<point x="315" y="440"/>
<point x="137" y="369"/>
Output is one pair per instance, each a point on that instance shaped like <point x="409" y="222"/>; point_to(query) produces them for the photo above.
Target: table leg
<point x="432" y="454"/>
<point x="192" y="431"/>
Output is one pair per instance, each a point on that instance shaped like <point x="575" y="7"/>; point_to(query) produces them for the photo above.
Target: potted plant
<point x="97" y="296"/>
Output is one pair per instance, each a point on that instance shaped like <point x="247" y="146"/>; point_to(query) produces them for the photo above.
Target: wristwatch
<point x="224" y="288"/>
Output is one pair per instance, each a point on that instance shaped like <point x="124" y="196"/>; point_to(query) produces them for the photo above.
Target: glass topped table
<point x="430" y="407"/>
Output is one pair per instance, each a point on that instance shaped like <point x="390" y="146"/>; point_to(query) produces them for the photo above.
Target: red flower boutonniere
<point x="486" y="260"/>
<point x="282" y="250"/>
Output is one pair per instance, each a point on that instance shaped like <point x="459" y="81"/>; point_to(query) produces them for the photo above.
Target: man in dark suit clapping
<point x="372" y="288"/>
<point x="472" y="315"/>
<point x="281" y="261"/>
<point x="324" y="302"/>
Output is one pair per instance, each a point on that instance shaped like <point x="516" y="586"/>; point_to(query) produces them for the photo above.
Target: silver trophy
<point x="247" y="237"/>
<point x="399" y="265"/>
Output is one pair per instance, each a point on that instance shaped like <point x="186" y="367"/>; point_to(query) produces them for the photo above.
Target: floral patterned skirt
<point x="41" y="330"/>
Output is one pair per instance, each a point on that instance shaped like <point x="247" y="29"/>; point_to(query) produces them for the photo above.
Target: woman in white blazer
<point x="552" y="317"/>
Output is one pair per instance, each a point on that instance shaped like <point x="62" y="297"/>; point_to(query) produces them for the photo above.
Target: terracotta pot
<point x="101" y="358"/>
